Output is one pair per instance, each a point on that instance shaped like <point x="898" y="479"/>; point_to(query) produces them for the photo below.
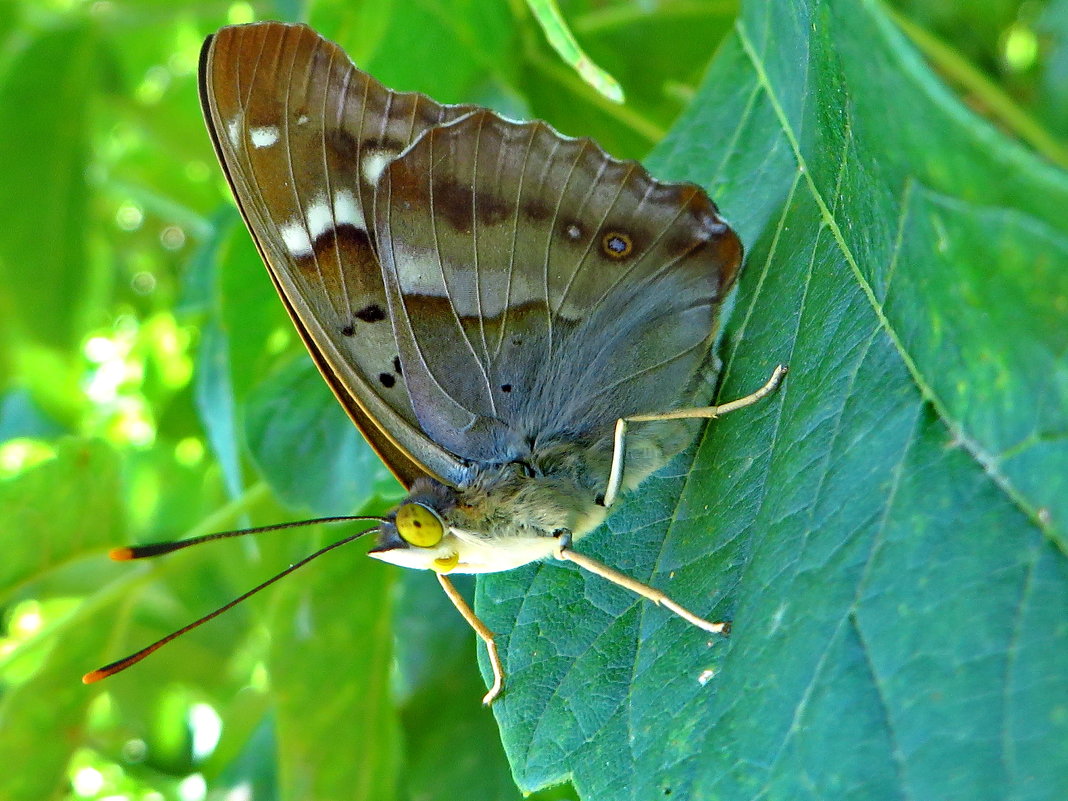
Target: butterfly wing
<point x="539" y="288"/>
<point x="303" y="136"/>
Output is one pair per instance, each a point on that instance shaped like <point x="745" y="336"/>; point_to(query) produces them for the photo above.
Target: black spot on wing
<point x="342" y="237"/>
<point x="461" y="205"/>
<point x="536" y="210"/>
<point x="350" y="147"/>
<point x="372" y="313"/>
<point x="385" y="143"/>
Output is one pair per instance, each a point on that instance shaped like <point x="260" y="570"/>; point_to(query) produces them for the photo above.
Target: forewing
<point x="540" y="289"/>
<point x="303" y="135"/>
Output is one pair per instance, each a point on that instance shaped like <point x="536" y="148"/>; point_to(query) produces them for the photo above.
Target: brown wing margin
<point x="397" y="459"/>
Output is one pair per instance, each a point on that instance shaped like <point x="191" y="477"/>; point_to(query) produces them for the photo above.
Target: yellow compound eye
<point x="419" y="525"/>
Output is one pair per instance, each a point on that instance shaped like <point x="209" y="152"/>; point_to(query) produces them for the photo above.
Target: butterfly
<point x="520" y="325"/>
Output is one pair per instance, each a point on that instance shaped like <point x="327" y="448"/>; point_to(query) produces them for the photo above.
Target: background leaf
<point x="44" y="254"/>
<point x="886" y="533"/>
<point x="877" y="531"/>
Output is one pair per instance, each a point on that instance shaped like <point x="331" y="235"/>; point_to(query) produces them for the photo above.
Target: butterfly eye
<point x="419" y="525"/>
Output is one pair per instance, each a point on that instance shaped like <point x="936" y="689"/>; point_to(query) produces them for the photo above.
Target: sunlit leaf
<point x="339" y="735"/>
<point x="44" y="147"/>
<point x="56" y="513"/>
<point x="299" y="434"/>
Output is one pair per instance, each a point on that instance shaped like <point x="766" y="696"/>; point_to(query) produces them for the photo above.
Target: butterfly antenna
<point x="143" y="551"/>
<point x="128" y="552"/>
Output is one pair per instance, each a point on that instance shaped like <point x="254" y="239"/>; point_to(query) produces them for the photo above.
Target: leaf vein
<point x="987" y="461"/>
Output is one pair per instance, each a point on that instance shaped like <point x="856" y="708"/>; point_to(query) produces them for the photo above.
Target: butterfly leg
<point x="483" y="632"/>
<point x="564" y="553"/>
<point x="615" y="476"/>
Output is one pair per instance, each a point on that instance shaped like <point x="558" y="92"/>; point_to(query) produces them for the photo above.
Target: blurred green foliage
<point x="145" y="364"/>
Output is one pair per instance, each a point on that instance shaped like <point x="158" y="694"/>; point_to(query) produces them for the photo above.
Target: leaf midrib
<point x="986" y="461"/>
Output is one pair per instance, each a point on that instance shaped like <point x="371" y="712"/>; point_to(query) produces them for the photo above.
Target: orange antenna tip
<point x="156" y="549"/>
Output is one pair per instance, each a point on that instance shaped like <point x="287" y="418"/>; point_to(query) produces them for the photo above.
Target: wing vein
<point x="703" y="344"/>
<point x="589" y="244"/>
<point x="505" y="317"/>
<point x="623" y="274"/>
<point x="584" y="144"/>
<point x="548" y="247"/>
<point x="342" y="277"/>
<point x="302" y="216"/>
<point x="445" y="282"/>
<point x="486" y="366"/>
<point x="478" y="274"/>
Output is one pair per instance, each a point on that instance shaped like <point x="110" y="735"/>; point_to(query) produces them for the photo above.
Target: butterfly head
<point x="467" y="531"/>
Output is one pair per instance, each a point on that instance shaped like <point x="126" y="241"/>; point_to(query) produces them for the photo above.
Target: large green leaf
<point x="299" y="434"/>
<point x="53" y="517"/>
<point x="888" y="533"/>
<point x="440" y="691"/>
<point x="44" y="115"/>
<point x="338" y="730"/>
